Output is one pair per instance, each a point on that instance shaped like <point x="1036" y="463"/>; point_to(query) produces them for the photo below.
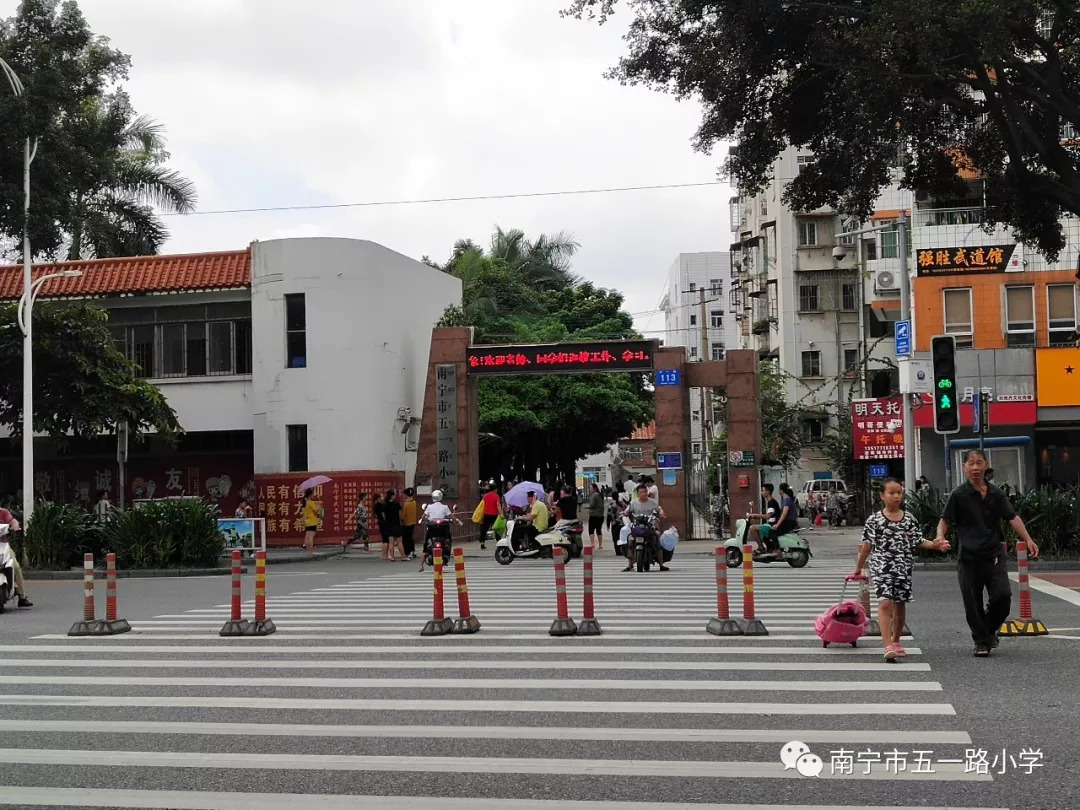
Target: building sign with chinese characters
<point x="877" y="428"/>
<point x="446" y="428"/>
<point x="957" y="261"/>
<point x="556" y="358"/>
<point x="280" y="501"/>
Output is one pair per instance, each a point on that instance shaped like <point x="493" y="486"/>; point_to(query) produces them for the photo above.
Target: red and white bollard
<point x="1025" y="625"/>
<point x="589" y="625"/>
<point x="563" y="624"/>
<point x="750" y="624"/>
<point x="237" y="624"/>
<point x="722" y="624"/>
<point x="439" y="624"/>
<point x="466" y="622"/>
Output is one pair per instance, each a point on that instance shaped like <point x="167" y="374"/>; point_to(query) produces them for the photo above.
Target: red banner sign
<point x="281" y="502"/>
<point x="877" y="428"/>
<point x="612" y="355"/>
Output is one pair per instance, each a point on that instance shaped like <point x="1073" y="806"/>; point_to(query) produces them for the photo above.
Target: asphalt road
<point x="347" y="706"/>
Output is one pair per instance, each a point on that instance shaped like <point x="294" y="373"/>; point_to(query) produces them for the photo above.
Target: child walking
<point x="889" y="540"/>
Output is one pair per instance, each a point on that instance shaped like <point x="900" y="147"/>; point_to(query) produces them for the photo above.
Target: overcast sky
<point x="280" y="102"/>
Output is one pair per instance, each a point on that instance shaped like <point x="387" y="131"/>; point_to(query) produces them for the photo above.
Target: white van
<point x="821" y="489"/>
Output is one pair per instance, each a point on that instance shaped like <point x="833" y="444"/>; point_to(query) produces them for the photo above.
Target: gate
<point x="705" y="510"/>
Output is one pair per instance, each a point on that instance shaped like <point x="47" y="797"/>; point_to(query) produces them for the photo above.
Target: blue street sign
<point x="976" y="421"/>
<point x="878" y="470"/>
<point x="902" y="336"/>
<point x="669" y="461"/>
<point x="667" y="376"/>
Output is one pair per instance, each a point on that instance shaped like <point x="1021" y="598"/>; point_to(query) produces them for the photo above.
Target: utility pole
<point x="905" y="314"/>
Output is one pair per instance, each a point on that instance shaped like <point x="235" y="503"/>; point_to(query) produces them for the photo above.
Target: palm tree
<point x="545" y="263"/>
<point x="112" y="210"/>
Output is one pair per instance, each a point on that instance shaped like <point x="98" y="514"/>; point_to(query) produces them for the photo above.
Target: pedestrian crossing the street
<point x="346" y="705"/>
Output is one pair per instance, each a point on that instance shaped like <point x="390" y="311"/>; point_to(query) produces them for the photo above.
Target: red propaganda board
<point x="877" y="428"/>
<point x="280" y="500"/>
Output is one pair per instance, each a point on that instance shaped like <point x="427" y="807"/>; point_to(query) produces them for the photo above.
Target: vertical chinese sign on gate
<point x="877" y="428"/>
<point x="446" y="434"/>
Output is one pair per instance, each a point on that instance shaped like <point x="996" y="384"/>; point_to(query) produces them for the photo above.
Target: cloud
<point x="267" y="102"/>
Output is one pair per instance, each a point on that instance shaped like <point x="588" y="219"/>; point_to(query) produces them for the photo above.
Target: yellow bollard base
<point x="1022" y="627"/>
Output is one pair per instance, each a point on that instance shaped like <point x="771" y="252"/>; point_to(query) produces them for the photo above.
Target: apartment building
<point x="696" y="317"/>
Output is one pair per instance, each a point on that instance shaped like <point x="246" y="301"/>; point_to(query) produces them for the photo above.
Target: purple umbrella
<point x="315" y="481"/>
<point x="518" y="496"/>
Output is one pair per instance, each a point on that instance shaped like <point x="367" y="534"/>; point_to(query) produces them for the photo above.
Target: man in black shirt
<point x="770" y="513"/>
<point x="567" y="505"/>
<point x="975" y="510"/>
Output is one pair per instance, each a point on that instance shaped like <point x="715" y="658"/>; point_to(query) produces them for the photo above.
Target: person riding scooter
<point x="644" y="506"/>
<point x="437" y="516"/>
<point x="8" y="519"/>
<point x="532" y="523"/>
<point x="770" y="515"/>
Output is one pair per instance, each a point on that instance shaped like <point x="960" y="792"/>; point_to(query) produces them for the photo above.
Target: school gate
<point x="448" y="455"/>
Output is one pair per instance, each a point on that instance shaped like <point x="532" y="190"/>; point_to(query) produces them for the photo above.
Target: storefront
<point x="1057" y="445"/>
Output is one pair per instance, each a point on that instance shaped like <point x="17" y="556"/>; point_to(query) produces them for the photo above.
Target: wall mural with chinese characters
<point x="280" y="501"/>
<point x="957" y="261"/>
<point x="615" y="355"/>
<point x="221" y="480"/>
<point x="877" y="427"/>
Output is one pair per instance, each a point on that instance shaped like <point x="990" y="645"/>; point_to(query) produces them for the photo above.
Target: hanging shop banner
<point x="963" y="261"/>
<point x="562" y="358"/>
<point x="877" y="428"/>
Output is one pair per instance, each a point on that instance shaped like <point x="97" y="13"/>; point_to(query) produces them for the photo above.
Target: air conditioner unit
<point x="886" y="281"/>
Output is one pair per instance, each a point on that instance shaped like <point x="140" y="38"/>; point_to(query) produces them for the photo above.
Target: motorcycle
<point x="643" y="538"/>
<point x="794" y="550"/>
<point x="841" y="508"/>
<point x="566" y="535"/>
<point x="439" y="531"/>
<point x="7" y="569"/>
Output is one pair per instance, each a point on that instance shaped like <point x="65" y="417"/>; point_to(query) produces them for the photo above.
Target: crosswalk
<point x="346" y="705"/>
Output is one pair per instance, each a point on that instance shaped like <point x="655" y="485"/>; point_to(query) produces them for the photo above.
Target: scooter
<point x="794" y="550"/>
<point x="643" y="538"/>
<point x="565" y="535"/>
<point x="439" y="531"/>
<point x="7" y="569"/>
<point x="841" y="508"/>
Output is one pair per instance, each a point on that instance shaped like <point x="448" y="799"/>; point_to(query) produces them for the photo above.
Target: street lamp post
<point x="24" y="317"/>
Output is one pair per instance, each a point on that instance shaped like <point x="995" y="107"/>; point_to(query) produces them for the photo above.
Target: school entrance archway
<point x="448" y="456"/>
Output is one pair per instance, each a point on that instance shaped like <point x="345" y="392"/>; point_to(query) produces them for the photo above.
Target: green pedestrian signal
<point x="946" y="408"/>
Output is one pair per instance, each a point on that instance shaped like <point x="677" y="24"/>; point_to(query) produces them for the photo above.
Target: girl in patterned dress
<point x="889" y="540"/>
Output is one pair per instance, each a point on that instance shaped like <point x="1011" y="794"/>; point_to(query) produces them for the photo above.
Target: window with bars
<point x="890" y="244"/>
<point x="811" y="364"/>
<point x="184" y="341"/>
<point x="809" y="300"/>
<point x="1061" y="313"/>
<point x="847" y="295"/>
<point x="1020" y="316"/>
<point x="851" y="360"/>
<point x="296" y="436"/>
<point x="956" y="304"/>
<point x="813" y="431"/>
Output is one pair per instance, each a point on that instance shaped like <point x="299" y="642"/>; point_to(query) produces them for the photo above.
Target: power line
<point x="374" y="203"/>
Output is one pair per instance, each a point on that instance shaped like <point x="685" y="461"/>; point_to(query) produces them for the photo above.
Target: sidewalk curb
<point x="301" y="556"/>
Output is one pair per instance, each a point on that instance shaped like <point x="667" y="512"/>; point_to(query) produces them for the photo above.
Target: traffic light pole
<point x="905" y="314"/>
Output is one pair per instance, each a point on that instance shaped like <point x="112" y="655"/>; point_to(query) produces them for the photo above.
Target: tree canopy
<point x="972" y="88"/>
<point x="100" y="169"/>
<point x="540" y="425"/>
<point x="83" y="386"/>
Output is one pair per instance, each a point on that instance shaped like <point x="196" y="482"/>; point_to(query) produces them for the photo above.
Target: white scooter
<point x="566" y="534"/>
<point x="7" y="569"/>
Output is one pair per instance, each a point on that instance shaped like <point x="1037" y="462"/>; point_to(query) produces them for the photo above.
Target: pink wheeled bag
<point x="843" y="623"/>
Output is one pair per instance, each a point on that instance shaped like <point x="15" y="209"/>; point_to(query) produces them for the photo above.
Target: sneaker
<point x="24" y="602"/>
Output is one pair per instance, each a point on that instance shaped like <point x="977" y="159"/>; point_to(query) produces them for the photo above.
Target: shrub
<point x="164" y="534"/>
<point x="56" y="535"/>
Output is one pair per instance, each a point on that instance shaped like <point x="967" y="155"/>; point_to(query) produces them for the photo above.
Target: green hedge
<point x="58" y="535"/>
<point x="165" y="534"/>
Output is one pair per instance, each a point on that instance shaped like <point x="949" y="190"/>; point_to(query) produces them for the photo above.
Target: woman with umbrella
<point x="313" y="510"/>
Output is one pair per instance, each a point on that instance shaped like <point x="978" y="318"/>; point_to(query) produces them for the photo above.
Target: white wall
<point x="210" y="403"/>
<point x="370" y="312"/>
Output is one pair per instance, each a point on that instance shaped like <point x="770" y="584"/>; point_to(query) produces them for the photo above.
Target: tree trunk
<point x="75" y="252"/>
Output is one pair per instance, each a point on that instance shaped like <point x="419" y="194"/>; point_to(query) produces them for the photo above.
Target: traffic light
<point x="946" y="406"/>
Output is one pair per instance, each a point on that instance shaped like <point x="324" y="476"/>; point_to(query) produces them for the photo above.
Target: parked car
<point x="818" y="492"/>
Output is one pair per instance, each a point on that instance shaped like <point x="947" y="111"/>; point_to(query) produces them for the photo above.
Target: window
<point x="295" y="331"/>
<point x="716" y="286"/>
<point x="813" y="431"/>
<point x="717" y="350"/>
<point x="808" y="298"/>
<point x="693" y="320"/>
<point x="890" y="244"/>
<point x="172" y="350"/>
<point x="957" y="308"/>
<point x="142" y="350"/>
<point x="242" y="347"/>
<point x="297" y="440"/>
<point x="774" y="300"/>
<point x="870" y="249"/>
<point x="811" y="364"/>
<point x="196" y="349"/>
<point x="632" y="452"/>
<point x="764" y="207"/>
<point x="1020" y="316"/>
<point x="847" y="294"/>
<point x="1061" y="311"/>
<point x="716" y="319"/>
<point x="594" y="475"/>
<point x="693" y="287"/>
<point x="805" y="160"/>
<point x="695" y="448"/>
<point x="851" y="360"/>
<point x="693" y="352"/>
<point x="807" y="233"/>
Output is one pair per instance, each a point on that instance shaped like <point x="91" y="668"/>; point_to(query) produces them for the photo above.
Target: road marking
<point x="572" y="645"/>
<point x="677" y="769"/>
<point x="755" y="735"/>
<point x="508" y="706"/>
<point x="1051" y="589"/>
<point x="205" y="800"/>
<point x="361" y="663"/>
<point x="873" y="644"/>
<point x="575" y="684"/>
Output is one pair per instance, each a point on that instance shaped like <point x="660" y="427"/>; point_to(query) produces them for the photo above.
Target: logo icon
<point x="797" y="755"/>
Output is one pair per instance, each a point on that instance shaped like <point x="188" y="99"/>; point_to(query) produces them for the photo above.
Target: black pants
<point x="407" y="540"/>
<point x="485" y="527"/>
<point x="990" y="575"/>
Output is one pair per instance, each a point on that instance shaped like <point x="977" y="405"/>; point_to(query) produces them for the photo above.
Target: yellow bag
<point x="478" y="513"/>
